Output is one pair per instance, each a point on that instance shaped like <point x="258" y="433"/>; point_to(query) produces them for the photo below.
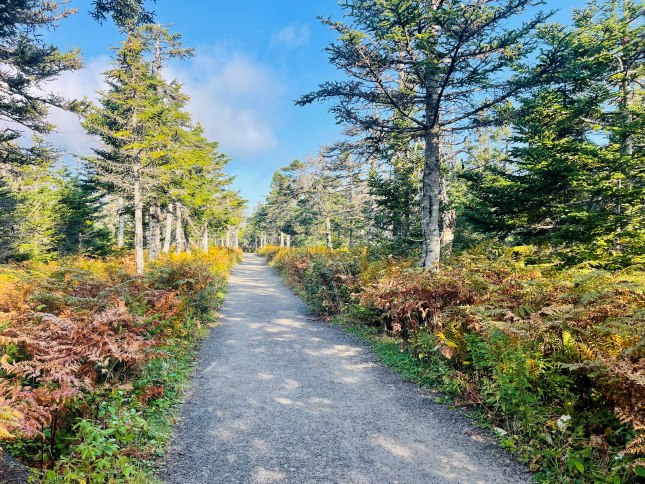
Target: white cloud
<point x="233" y="97"/>
<point x="69" y="134"/>
<point x="293" y="35"/>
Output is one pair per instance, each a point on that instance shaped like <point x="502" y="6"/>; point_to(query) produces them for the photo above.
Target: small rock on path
<point x="279" y="397"/>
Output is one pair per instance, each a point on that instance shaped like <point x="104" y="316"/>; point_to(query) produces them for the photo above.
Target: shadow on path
<point x="279" y="397"/>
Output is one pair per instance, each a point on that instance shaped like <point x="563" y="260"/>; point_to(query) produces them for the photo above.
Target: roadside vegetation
<point x="552" y="358"/>
<point x="96" y="359"/>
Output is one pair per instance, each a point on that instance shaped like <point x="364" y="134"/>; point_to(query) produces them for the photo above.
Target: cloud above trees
<point x="232" y="95"/>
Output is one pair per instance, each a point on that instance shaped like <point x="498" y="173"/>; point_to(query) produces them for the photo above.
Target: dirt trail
<point x="281" y="397"/>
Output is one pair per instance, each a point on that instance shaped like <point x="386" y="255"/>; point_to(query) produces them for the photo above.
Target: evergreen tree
<point x="131" y="122"/>
<point x="575" y="177"/>
<point x="37" y="191"/>
<point x="8" y="220"/>
<point x="421" y="69"/>
<point x="82" y="228"/>
<point x="125" y="13"/>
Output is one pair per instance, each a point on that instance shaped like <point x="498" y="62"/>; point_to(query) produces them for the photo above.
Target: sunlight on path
<point x="279" y="397"/>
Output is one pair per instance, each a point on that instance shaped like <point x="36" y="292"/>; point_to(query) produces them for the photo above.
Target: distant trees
<point x="319" y="201"/>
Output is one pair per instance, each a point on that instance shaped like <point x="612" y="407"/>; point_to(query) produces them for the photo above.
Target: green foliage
<point x="574" y="177"/>
<point x="125" y="13"/>
<point x="81" y="224"/>
<point x="27" y="62"/>
<point x="37" y="190"/>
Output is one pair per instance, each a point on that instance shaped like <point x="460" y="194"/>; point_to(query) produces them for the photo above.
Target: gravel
<point x="279" y="396"/>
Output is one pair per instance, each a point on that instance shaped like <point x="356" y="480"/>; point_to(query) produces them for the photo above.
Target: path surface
<point x="281" y="397"/>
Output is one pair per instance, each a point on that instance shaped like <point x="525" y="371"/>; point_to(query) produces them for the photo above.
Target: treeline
<point x="154" y="181"/>
<point x="469" y="122"/>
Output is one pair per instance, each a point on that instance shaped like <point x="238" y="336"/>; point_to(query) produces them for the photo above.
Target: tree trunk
<point x="288" y="241"/>
<point x="237" y="238"/>
<point x="281" y="239"/>
<point x="204" y="241"/>
<point x="155" y="232"/>
<point x="449" y="222"/>
<point x="328" y="232"/>
<point x="228" y="237"/>
<point x="120" y="238"/>
<point x="138" y="222"/>
<point x="179" y="230"/>
<point x="168" y="230"/>
<point x="430" y="201"/>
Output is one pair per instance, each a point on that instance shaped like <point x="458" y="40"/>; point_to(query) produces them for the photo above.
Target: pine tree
<point x="37" y="191"/>
<point x="125" y="13"/>
<point x="82" y="228"/>
<point x="130" y="121"/>
<point x="196" y="182"/>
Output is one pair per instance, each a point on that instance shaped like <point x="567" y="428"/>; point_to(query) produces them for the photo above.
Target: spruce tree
<point x="130" y="123"/>
<point x="575" y="176"/>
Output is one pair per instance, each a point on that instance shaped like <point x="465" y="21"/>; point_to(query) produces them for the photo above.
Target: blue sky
<point x="253" y="59"/>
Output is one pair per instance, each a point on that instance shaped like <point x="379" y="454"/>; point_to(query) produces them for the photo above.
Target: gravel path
<point x="281" y="397"/>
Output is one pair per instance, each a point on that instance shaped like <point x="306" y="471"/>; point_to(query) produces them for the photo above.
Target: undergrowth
<point x="554" y="358"/>
<point x="95" y="360"/>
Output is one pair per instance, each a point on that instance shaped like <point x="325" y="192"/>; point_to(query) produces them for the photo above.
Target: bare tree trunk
<point x="205" y="238"/>
<point x="288" y="241"/>
<point x="138" y="222"/>
<point x="168" y="230"/>
<point x="371" y="229"/>
<point x="179" y="230"/>
<point x="237" y="238"/>
<point x="228" y="237"/>
<point x="281" y="239"/>
<point x="449" y="222"/>
<point x="328" y="232"/>
<point x="430" y="201"/>
<point x="120" y="238"/>
<point x="155" y="232"/>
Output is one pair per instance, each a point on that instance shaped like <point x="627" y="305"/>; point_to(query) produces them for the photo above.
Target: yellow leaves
<point x="10" y="421"/>
<point x="71" y="326"/>
<point x="569" y="342"/>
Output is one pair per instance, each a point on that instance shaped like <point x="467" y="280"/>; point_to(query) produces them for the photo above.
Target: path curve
<point x="281" y="397"/>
